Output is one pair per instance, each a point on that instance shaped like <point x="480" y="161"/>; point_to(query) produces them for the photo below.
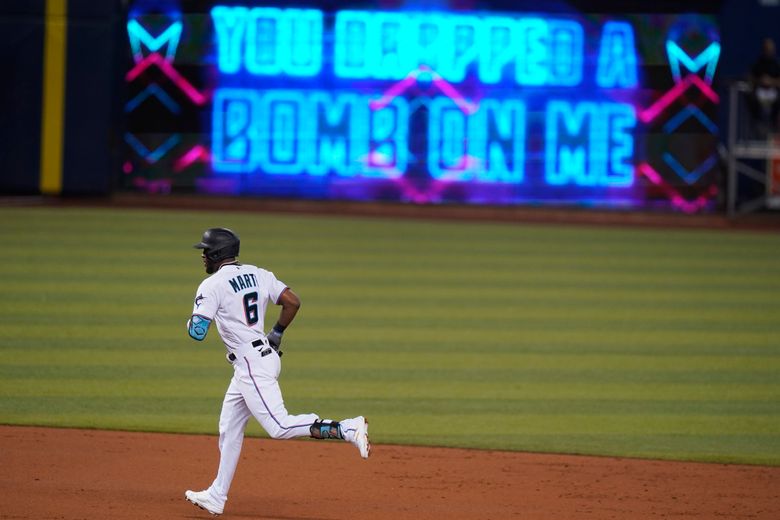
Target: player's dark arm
<point x="290" y="304"/>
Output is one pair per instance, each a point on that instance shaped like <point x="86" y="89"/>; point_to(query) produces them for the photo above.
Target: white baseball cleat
<point x="204" y="500"/>
<point x="360" y="437"/>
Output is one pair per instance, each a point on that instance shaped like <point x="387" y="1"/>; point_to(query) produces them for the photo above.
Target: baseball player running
<point x="235" y="297"/>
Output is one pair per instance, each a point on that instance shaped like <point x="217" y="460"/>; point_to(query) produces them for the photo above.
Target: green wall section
<point x="631" y="342"/>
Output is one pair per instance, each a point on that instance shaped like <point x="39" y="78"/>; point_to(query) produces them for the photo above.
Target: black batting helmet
<point x="219" y="244"/>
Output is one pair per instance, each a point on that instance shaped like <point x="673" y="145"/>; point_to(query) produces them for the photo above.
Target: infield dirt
<point x="91" y="474"/>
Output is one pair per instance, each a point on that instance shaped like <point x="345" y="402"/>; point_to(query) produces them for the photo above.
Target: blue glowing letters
<point x="139" y="37"/>
<point x="617" y="57"/>
<point x="529" y="51"/>
<point x="291" y="132"/>
<point x="477" y="134"/>
<point x="487" y="146"/>
<point x="708" y="59"/>
<point x="589" y="144"/>
<point x="268" y="41"/>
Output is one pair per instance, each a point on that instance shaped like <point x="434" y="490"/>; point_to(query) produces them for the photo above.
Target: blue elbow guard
<point x="198" y="327"/>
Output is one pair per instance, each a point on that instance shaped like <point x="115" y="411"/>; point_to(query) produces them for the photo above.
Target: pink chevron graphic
<point x="194" y="154"/>
<point x="451" y="92"/>
<point x="654" y="110"/>
<point x="440" y="83"/>
<point x="673" y="195"/>
<point x="168" y="70"/>
<point x="433" y="189"/>
<point x="394" y="91"/>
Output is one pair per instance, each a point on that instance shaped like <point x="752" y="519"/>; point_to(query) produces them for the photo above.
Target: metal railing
<point x="750" y="144"/>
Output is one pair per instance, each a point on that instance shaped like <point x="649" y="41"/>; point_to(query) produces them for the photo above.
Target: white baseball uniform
<point x="236" y="297"/>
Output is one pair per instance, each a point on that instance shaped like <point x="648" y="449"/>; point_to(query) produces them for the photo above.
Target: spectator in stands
<point x="765" y="83"/>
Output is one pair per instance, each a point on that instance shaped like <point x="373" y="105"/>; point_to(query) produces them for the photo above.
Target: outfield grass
<point x="635" y="342"/>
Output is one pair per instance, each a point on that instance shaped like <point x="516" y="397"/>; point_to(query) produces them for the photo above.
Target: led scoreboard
<point x="423" y="106"/>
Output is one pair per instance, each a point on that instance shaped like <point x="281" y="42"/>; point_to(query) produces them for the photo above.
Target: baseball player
<point x="234" y="297"/>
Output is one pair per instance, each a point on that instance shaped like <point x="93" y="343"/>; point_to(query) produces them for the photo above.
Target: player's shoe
<point x="204" y="500"/>
<point x="360" y="437"/>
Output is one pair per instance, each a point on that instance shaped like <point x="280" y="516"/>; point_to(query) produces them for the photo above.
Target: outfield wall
<point x="59" y="100"/>
<point x="576" y="107"/>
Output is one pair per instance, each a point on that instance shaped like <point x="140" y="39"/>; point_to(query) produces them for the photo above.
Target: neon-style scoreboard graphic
<point x="427" y="107"/>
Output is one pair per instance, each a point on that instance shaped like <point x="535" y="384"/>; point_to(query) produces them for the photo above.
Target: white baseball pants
<point x="253" y="391"/>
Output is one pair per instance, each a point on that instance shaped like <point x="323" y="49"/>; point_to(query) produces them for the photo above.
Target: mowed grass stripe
<point x="733" y="412"/>
<point x="544" y="338"/>
<point x="628" y="369"/>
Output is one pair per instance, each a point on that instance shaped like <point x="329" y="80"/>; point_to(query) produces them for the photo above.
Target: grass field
<point x="632" y="342"/>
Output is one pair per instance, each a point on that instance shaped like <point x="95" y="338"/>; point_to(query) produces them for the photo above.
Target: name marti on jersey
<point x="243" y="281"/>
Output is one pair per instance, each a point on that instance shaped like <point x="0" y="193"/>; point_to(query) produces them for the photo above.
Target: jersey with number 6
<point x="236" y="297"/>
